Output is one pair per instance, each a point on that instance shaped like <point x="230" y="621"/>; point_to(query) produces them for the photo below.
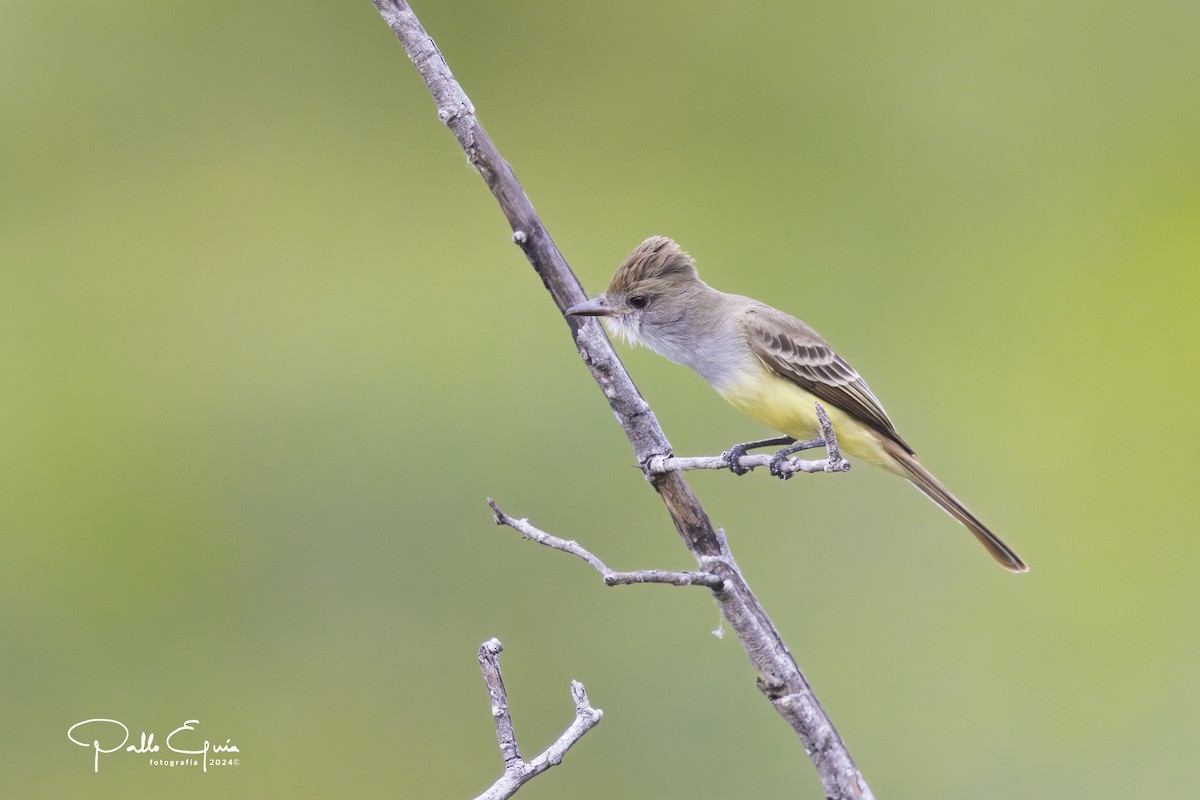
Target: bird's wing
<point x="794" y="351"/>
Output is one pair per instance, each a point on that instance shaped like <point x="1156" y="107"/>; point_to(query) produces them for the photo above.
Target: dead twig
<point x="516" y="771"/>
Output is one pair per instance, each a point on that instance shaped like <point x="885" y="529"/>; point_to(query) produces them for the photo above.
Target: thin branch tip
<point x="834" y="462"/>
<point x="498" y="516"/>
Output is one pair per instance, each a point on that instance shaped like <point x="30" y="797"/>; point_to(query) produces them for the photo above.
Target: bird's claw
<point x="733" y="456"/>
<point x="777" y="463"/>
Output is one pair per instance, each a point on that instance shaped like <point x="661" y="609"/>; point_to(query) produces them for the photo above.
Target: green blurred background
<point x="267" y="347"/>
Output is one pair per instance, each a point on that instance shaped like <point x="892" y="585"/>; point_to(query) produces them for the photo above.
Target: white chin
<point x="619" y="328"/>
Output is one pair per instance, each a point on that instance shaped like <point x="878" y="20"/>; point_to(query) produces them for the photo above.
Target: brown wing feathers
<point x="794" y="351"/>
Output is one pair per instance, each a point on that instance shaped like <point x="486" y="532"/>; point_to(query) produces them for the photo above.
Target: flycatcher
<point x="767" y="364"/>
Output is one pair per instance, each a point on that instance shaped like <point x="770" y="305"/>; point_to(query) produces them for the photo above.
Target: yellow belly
<point x="785" y="407"/>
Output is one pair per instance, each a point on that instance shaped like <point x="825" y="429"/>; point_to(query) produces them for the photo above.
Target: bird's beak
<point x="596" y="307"/>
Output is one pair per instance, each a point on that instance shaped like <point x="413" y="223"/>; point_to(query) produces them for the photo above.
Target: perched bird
<point x="767" y="364"/>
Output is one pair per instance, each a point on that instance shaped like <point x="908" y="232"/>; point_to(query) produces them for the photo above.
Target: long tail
<point x="931" y="487"/>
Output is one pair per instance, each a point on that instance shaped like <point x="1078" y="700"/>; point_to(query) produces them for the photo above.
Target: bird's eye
<point x="639" y="301"/>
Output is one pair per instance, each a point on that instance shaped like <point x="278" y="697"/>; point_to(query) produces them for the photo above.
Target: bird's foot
<point x="777" y="463"/>
<point x="733" y="456"/>
<point x="781" y="457"/>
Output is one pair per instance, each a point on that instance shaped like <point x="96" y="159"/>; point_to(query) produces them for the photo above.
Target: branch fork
<point x="517" y="772"/>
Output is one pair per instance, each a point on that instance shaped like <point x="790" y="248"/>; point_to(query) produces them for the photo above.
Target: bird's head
<point x="649" y="293"/>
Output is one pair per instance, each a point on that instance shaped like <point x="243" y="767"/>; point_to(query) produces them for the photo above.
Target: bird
<point x="766" y="363"/>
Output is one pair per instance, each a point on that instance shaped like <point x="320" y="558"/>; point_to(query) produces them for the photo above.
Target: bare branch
<point x="660" y="464"/>
<point x="791" y="466"/>
<point x="611" y="577"/>
<point x="783" y="683"/>
<point x="516" y="771"/>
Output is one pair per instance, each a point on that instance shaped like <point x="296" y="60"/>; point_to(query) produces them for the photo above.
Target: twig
<point x="782" y="681"/>
<point x="489" y="663"/>
<point x="516" y="771"/>
<point x="790" y="466"/>
<point x="611" y="577"/>
<point x="833" y="462"/>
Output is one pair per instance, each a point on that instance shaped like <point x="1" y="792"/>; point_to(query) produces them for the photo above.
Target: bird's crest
<point x="654" y="263"/>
